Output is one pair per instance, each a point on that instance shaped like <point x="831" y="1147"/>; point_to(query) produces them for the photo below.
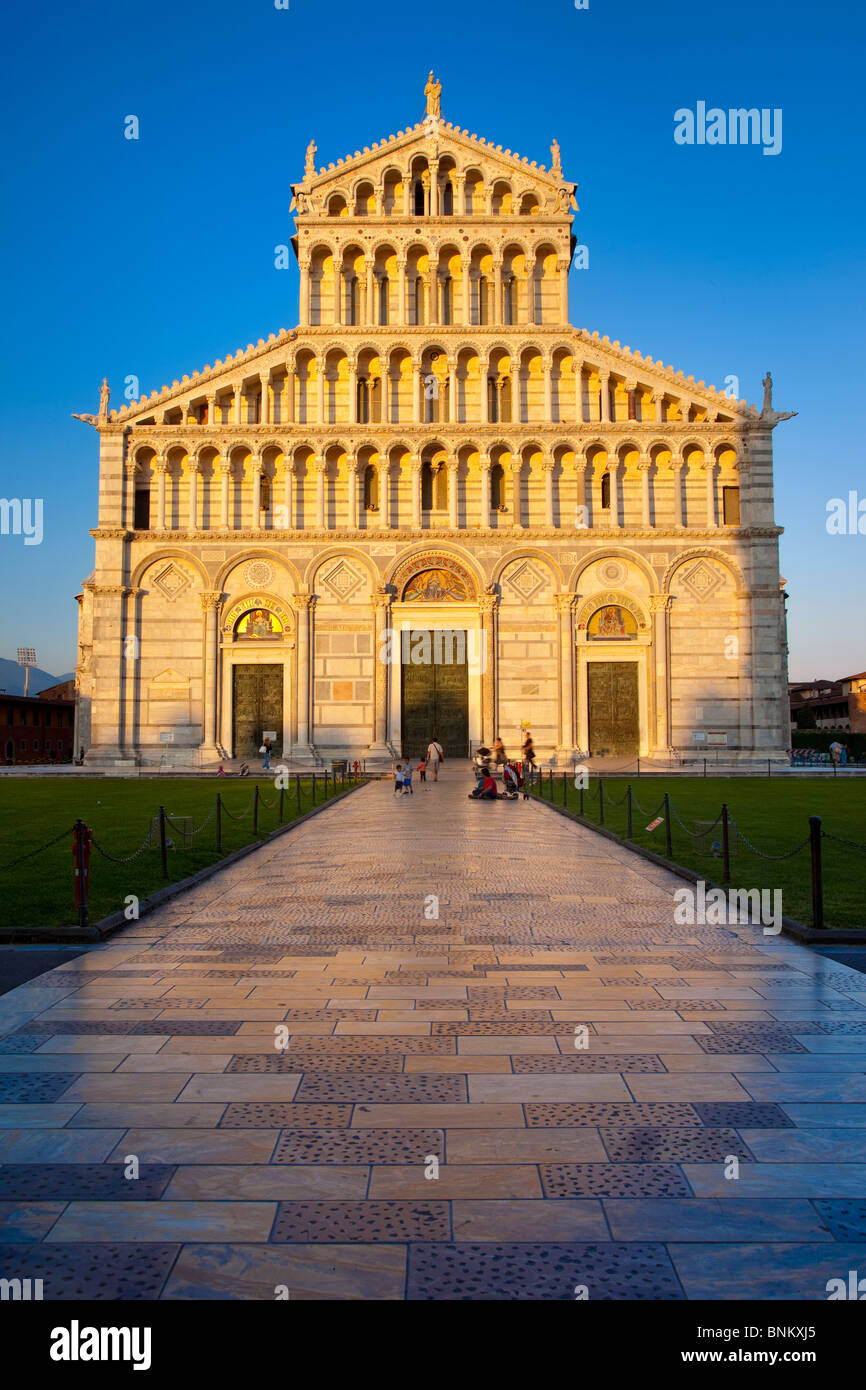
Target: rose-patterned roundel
<point x="258" y="573"/>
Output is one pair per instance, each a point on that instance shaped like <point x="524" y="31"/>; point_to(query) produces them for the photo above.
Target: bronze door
<point x="257" y="705"/>
<point x="614" y="712"/>
<point x="435" y="700"/>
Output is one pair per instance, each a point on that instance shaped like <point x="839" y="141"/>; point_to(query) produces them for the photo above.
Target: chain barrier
<point x="760" y="853"/>
<point x="243" y="815"/>
<point x="127" y="858"/>
<point x="31" y="854"/>
<point x="696" y="834"/>
<point x="852" y="844"/>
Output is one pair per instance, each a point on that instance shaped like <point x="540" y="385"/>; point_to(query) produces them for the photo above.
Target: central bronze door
<point x="614" y="713"/>
<point x="257" y="705"/>
<point x="435" y="700"/>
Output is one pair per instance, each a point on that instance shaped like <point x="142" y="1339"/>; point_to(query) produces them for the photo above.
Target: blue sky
<point x="154" y="257"/>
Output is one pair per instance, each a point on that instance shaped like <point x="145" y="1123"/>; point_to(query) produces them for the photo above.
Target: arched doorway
<point x="256" y="643"/>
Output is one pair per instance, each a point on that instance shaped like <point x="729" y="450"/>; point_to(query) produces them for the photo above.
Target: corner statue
<point x="769" y="416"/>
<point x="433" y="93"/>
<point x="310" y="164"/>
<point x="102" y="417"/>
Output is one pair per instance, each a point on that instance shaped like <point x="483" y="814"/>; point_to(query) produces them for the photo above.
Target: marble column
<point x="303" y="750"/>
<point x="604" y="396"/>
<point x="320" y="493"/>
<point x="547" y="469"/>
<point x="320" y="393"/>
<point x="304" y="314"/>
<point x="660" y="607"/>
<point x="353" y="395"/>
<point x="710" y="469"/>
<point x="128" y="516"/>
<point x="192" y="520"/>
<point x="517" y="510"/>
<point x="379" y="750"/>
<point x="484" y="463"/>
<point x="562" y="268"/>
<point x="238" y="406"/>
<point x="581" y="513"/>
<point x="644" y="466"/>
<point x="418" y="404"/>
<point x="265" y="412"/>
<point x="453" y="495"/>
<point x="565" y="621"/>
<point x="516" y="403"/>
<point x="353" y="493"/>
<point x="210" y="602"/>
<point x="496" y="307"/>
<point x="287" y="494"/>
<point x="160" y="494"/>
<point x="452" y="393"/>
<point x="255" y="520"/>
<point x="384" y="497"/>
<point x="225" y="486"/>
<point x="678" y="466"/>
<point x="659" y="403"/>
<point x="548" y="391"/>
<point x="401" y="291"/>
<point x="416" y="492"/>
<point x="489" y="605"/>
<point x="484" y="389"/>
<point x="290" y="395"/>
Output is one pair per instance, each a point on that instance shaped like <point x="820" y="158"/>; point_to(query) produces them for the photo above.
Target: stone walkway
<point x="430" y="1130"/>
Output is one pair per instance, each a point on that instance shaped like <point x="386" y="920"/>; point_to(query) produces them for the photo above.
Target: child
<point x="407" y="779"/>
<point x="422" y="770"/>
<point x="398" y="778"/>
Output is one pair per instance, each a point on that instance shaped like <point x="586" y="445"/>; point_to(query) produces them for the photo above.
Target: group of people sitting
<point x="486" y="788"/>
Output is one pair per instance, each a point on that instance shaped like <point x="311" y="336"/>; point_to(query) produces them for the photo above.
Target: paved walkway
<point x="430" y="1130"/>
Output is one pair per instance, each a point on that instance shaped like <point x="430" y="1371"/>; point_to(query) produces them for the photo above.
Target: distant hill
<point x="12" y="678"/>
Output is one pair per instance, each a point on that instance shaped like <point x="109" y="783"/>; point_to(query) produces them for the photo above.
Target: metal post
<point x="162" y="846"/>
<point x="726" y="847"/>
<point x="282" y="792"/>
<point x="705" y="767"/>
<point x="550" y="782"/>
<point x="314" y="788"/>
<point x="564" y="789"/>
<point x="817" y="872"/>
<point x="768" y="767"/>
<point x="668" y="841"/>
<point x="298" y="790"/>
<point x="219" y="823"/>
<point x="638" y="764"/>
<point x="600" y="802"/>
<point x="581" y="795"/>
<point x="326" y="784"/>
<point x="628" y="810"/>
<point x="81" y="867"/>
<point x="256" y="809"/>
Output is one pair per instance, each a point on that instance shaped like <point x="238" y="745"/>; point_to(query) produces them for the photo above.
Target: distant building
<point x="829" y="704"/>
<point x="64" y="690"/>
<point x="34" y="729"/>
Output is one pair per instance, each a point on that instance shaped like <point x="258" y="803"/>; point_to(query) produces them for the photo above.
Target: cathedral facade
<point x="434" y="506"/>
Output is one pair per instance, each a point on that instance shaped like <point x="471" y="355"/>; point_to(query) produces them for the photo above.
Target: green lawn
<point x="773" y="814"/>
<point x="39" y="891"/>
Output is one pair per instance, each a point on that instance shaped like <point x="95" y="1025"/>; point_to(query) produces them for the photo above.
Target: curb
<point x="790" y="926"/>
<point x="100" y="931"/>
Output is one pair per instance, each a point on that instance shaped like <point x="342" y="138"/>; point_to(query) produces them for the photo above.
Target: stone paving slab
<point x="539" y="1087"/>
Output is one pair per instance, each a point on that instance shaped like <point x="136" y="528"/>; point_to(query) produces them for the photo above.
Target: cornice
<point x="581" y="431"/>
<point x="395" y="535"/>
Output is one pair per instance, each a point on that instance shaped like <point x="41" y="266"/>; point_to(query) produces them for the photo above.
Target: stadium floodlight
<point x="26" y="658"/>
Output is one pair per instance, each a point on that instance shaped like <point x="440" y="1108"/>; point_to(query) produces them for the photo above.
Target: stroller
<point x="482" y="761"/>
<point x="513" y="782"/>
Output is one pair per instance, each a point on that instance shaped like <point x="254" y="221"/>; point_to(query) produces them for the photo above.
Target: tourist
<point x="499" y="755"/>
<point x="486" y="788"/>
<point x="398" y="779"/>
<point x="266" y="749"/>
<point x="836" y="751"/>
<point x="244" y="770"/>
<point x="422" y="770"/>
<point x="529" y="750"/>
<point x="435" y="756"/>
<point x="221" y="772"/>
<point x="407" y="779"/>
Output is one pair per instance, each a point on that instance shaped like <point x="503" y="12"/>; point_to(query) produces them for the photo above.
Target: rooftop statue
<point x="310" y="164"/>
<point x="769" y="416"/>
<point x="433" y="93"/>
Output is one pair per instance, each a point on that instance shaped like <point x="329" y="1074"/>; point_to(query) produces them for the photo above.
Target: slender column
<point x="382" y="614"/>
<point x="516" y="467"/>
<point x="211" y="410"/>
<point x="425" y="184"/>
<point x="453" y="496"/>
<point x="193" y="494"/>
<point x="320" y="493"/>
<point x="371" y="301"/>
<point x="660" y="607"/>
<point x="287" y="493"/>
<point x="464" y="312"/>
<point x="565" y="620"/>
<point x="416" y="491"/>
<point x="238" y="408"/>
<point x="581" y="516"/>
<point x="516" y="404"/>
<point x="710" y="470"/>
<point x="484" y="387"/>
<point x="304" y="605"/>
<point x="644" y="465"/>
<point x="266" y="399"/>
<point x="613" y="465"/>
<point x="547" y="468"/>
<point x="257" y="493"/>
<point x="160" y="494"/>
<point x="384" y="499"/>
<point x="290" y="395"/>
<point x="548" y="391"/>
<point x="489" y="604"/>
<point x="678" y="466"/>
<point x="225" y="484"/>
<point x="578" y="390"/>
<point x="128" y="515"/>
<point x="453" y="412"/>
<point x="434" y="188"/>
<point x="401" y="291"/>
<point x="304" y="315"/>
<point x="659" y="403"/>
<point x="353" y="394"/>
<point x="320" y="392"/>
<point x="530" y="294"/>
<point x="418" y="405"/>
<point x="484" y="461"/>
<point x="338" y="292"/>
<point x="210" y="602"/>
<point x="604" y="379"/>
<point x="496" y="315"/>
<point x="407" y="196"/>
<point x="562" y="269"/>
<point x="353" y="492"/>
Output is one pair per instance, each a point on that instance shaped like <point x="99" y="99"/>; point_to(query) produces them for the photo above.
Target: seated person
<point x="486" y="789"/>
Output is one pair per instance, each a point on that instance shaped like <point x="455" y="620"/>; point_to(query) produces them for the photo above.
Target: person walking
<point x="435" y="756"/>
<point x="499" y="755"/>
<point x="407" y="779"/>
<point x="398" y="779"/>
<point x="266" y="749"/>
<point x="422" y="771"/>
